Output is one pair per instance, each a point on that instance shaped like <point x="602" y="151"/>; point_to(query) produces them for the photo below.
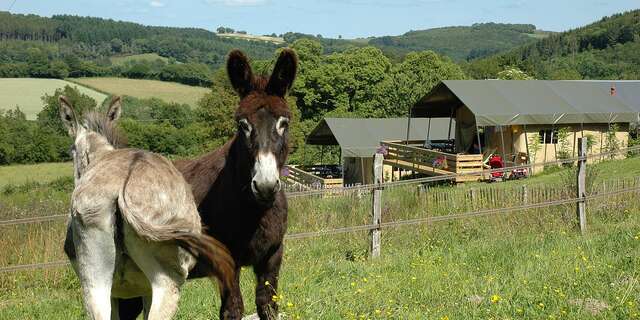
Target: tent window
<point x="545" y="136"/>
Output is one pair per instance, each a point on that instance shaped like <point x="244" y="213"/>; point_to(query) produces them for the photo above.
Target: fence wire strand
<point x="369" y="227"/>
<point x="369" y="187"/>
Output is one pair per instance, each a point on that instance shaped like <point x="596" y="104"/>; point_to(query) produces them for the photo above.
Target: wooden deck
<point x="308" y="181"/>
<point x="431" y="162"/>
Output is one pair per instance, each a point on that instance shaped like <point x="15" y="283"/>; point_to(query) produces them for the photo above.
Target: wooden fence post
<point x="525" y="194"/>
<point x="582" y="174"/>
<point x="377" y="205"/>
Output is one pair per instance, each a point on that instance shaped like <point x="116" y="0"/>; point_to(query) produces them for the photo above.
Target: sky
<point x="331" y="18"/>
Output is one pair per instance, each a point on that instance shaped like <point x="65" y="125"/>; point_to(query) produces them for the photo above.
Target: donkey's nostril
<point x="277" y="187"/>
<point x="255" y="185"/>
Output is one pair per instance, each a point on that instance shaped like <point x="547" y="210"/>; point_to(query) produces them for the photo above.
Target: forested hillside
<point x="61" y="46"/>
<point x="358" y="82"/>
<point x="459" y="43"/>
<point x="607" y="49"/>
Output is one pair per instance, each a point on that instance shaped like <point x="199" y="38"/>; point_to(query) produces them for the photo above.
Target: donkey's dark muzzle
<point x="265" y="192"/>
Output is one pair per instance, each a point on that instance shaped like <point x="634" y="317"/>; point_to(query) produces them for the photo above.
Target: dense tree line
<point x="459" y="43"/>
<point x="82" y="45"/>
<point x="359" y="82"/>
<point x="607" y="49"/>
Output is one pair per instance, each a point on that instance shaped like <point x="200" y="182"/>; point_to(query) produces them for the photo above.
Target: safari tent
<point x="538" y="121"/>
<point x="359" y="139"/>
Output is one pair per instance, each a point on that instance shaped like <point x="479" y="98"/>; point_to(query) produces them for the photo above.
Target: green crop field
<point x="530" y="264"/>
<point x="167" y="91"/>
<point x="121" y="60"/>
<point x="43" y="172"/>
<point x="26" y="93"/>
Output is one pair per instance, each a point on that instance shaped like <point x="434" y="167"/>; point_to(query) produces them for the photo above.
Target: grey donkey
<point x="134" y="229"/>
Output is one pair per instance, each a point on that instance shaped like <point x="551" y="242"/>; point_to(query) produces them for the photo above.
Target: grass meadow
<point x="27" y="93"/>
<point x="530" y="264"/>
<point x="122" y="60"/>
<point x="138" y="88"/>
<point x="43" y="172"/>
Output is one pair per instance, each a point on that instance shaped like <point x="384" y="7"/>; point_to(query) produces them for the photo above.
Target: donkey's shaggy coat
<point x="134" y="228"/>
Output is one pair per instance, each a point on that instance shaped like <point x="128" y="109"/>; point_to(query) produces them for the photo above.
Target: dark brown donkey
<point x="238" y="188"/>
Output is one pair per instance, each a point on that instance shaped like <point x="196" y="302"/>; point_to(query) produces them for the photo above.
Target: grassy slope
<point x="533" y="262"/>
<point x="451" y="270"/>
<point x="26" y="93"/>
<point x="44" y="172"/>
<point x="121" y="60"/>
<point x="168" y="91"/>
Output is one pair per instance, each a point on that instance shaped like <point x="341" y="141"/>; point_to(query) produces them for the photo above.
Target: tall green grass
<point x="529" y="264"/>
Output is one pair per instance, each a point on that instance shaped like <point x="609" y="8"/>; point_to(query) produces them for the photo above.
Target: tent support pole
<point x="526" y="143"/>
<point x="504" y="155"/>
<point x="342" y="166"/>
<point x="450" y="122"/>
<point x="544" y="139"/>
<point x="479" y="142"/>
<point x="555" y="145"/>
<point x="362" y="170"/>
<point x="408" y="126"/>
<point x="429" y="131"/>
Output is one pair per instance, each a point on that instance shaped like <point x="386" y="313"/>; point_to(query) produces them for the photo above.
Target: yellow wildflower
<point x="495" y="298"/>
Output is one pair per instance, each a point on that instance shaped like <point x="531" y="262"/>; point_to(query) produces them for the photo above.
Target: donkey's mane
<point x="98" y="123"/>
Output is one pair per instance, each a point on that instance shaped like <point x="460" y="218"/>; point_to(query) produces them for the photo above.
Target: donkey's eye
<point x="245" y="127"/>
<point x="282" y="125"/>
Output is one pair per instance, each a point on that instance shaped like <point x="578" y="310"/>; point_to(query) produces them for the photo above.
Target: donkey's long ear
<point x="240" y="73"/>
<point x="68" y="116"/>
<point x="284" y="73"/>
<point x="115" y="109"/>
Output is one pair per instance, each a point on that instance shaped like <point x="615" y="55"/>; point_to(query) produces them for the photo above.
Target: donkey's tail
<point x="210" y="252"/>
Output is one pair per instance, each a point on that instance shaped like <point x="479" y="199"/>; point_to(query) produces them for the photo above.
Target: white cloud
<point x="156" y="4"/>
<point x="238" y="3"/>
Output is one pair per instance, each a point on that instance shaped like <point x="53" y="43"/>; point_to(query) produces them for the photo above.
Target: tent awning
<point x="361" y="137"/>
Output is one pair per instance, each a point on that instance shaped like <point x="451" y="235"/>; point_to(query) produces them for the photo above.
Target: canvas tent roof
<point x="626" y="90"/>
<point x="504" y="102"/>
<point x="361" y="137"/>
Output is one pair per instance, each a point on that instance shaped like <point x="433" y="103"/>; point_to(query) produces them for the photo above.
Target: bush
<point x="23" y="141"/>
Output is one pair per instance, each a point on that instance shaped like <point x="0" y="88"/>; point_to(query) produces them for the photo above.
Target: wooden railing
<point x="307" y="181"/>
<point x="431" y="162"/>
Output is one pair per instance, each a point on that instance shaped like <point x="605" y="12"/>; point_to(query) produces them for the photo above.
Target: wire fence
<point x="428" y="218"/>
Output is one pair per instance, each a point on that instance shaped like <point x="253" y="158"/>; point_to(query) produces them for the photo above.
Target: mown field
<point x="44" y="173"/>
<point x="167" y="91"/>
<point x="530" y="264"/>
<point x="27" y="93"/>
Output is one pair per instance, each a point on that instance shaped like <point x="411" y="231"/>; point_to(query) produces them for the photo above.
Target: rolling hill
<point x="143" y="89"/>
<point x="459" y="43"/>
<point x="606" y="49"/>
<point x="26" y="93"/>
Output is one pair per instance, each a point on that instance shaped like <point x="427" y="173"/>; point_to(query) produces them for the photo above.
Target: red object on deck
<point x="496" y="162"/>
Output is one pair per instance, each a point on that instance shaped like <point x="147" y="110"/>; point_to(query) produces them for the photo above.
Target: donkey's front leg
<point x="267" y="287"/>
<point x="96" y="256"/>
<point x="232" y="306"/>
